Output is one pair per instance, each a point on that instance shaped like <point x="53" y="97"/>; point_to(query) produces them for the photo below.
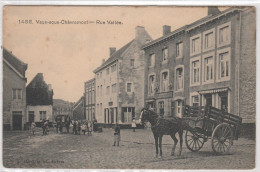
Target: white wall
<point x="37" y="109"/>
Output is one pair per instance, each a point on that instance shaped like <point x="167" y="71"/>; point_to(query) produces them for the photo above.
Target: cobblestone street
<point x="137" y="150"/>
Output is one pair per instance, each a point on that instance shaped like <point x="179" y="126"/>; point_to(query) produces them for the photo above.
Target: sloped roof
<point x="38" y="93"/>
<point x="20" y="66"/>
<point x="116" y="55"/>
<point x="189" y="26"/>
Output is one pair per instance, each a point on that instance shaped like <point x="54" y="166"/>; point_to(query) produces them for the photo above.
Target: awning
<point x="213" y="90"/>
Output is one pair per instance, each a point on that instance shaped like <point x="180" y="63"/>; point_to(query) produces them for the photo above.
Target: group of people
<point x="45" y="127"/>
<point x="79" y="126"/>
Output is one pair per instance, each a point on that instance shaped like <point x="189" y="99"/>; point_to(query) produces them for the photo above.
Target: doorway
<point x="17" y="120"/>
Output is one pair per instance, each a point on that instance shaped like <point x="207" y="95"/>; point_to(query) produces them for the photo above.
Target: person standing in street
<point x="116" y="135"/>
<point x="133" y="124"/>
<point x="33" y="127"/>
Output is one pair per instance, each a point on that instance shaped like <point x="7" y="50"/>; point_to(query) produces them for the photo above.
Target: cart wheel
<point x="194" y="141"/>
<point x="222" y="139"/>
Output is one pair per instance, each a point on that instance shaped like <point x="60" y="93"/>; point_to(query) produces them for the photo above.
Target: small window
<point x="179" y="79"/>
<point x="132" y="63"/>
<point x="195" y="72"/>
<point x="165" y="82"/>
<point x="179" y="49"/>
<point x="17" y="94"/>
<point x="129" y="87"/>
<point x="195" y="100"/>
<point x="151" y="84"/>
<point x="161" y="108"/>
<point x="42" y="115"/>
<point x="209" y="40"/>
<point x="107" y="71"/>
<point x="165" y="54"/>
<point x="195" y="44"/>
<point x="113" y="88"/>
<point x="179" y="104"/>
<point x="224" y="65"/>
<point x="108" y="90"/>
<point x="152" y="60"/>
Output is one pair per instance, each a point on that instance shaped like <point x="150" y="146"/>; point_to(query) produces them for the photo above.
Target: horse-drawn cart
<point x="210" y="122"/>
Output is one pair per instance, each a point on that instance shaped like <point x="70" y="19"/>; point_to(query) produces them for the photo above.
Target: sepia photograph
<point x="128" y="87"/>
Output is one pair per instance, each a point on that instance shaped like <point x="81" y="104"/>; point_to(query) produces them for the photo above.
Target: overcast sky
<point x="67" y="54"/>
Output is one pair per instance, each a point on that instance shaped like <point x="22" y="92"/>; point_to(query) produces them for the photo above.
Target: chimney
<point x="166" y="29"/>
<point x="49" y="87"/>
<point x="213" y="10"/>
<point x="103" y="61"/>
<point x="112" y="50"/>
<point x="40" y="76"/>
<point x="139" y="31"/>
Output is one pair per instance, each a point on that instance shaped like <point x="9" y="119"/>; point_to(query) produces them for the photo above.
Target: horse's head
<point x="143" y="115"/>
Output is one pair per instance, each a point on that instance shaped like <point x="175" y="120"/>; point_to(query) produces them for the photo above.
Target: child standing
<point x="84" y="128"/>
<point x="133" y="124"/>
<point x="33" y="127"/>
<point x="116" y="135"/>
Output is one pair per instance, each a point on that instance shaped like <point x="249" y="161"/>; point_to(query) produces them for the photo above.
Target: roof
<point x="190" y="26"/>
<point x="91" y="80"/>
<point x="16" y="63"/>
<point x="116" y="55"/>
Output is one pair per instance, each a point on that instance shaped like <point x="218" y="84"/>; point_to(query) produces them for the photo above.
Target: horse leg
<point x="160" y="145"/>
<point x="156" y="145"/>
<point x="175" y="143"/>
<point x="181" y="140"/>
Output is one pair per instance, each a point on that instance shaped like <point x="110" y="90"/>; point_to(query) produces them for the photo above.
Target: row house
<point x="90" y="96"/>
<point x="39" y="100"/>
<point x="208" y="62"/>
<point x="14" y="92"/>
<point x="120" y="82"/>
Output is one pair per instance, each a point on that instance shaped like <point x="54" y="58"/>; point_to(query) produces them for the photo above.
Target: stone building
<point x="208" y="62"/>
<point x="78" y="109"/>
<point x="14" y="92"/>
<point x="90" y="97"/>
<point x="120" y="82"/>
<point x="39" y="99"/>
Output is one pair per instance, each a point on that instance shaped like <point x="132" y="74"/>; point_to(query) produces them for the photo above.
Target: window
<point x="108" y="90"/>
<point x="151" y="83"/>
<point x="224" y="32"/>
<point x="87" y="98"/>
<point x="42" y="115"/>
<point x="165" y="81"/>
<point x="179" y="108"/>
<point x="107" y="70"/>
<point x="195" y="44"/>
<point x="179" y="79"/>
<point x="209" y="40"/>
<point x="113" y="68"/>
<point x="223" y="65"/>
<point x="195" y="71"/>
<point x="100" y="75"/>
<point x="132" y="62"/>
<point x="93" y="96"/>
<point x="208" y="68"/>
<point x="17" y="93"/>
<point x="152" y="60"/>
<point x="114" y="88"/>
<point x="129" y="87"/>
<point x="179" y="50"/>
<point x="97" y="76"/>
<point x="165" y="54"/>
<point x="161" y="108"/>
<point x="101" y="90"/>
<point x="195" y="101"/>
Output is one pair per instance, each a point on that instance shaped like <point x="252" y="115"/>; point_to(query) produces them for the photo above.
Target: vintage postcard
<point x="129" y="87"/>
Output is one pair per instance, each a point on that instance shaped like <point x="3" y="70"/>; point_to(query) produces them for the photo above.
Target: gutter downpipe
<point x="239" y="56"/>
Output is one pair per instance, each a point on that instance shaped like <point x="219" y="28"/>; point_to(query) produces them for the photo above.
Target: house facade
<point x="90" y="99"/>
<point x="14" y="92"/>
<point x="208" y="62"/>
<point x="120" y="80"/>
<point x="39" y="98"/>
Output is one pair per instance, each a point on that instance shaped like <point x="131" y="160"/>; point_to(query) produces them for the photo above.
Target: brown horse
<point x="161" y="126"/>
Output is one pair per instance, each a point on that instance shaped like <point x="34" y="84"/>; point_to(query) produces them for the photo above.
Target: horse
<point x="161" y="126"/>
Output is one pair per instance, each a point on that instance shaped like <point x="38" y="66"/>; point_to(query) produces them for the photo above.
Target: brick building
<point x="120" y="82"/>
<point x="14" y="92"/>
<point x="208" y="62"/>
<point x="78" y="109"/>
<point x="39" y="99"/>
<point x="90" y="97"/>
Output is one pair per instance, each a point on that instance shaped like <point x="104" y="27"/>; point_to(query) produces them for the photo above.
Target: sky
<point x="68" y="54"/>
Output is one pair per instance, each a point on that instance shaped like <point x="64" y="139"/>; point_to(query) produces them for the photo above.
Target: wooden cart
<point x="210" y="122"/>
